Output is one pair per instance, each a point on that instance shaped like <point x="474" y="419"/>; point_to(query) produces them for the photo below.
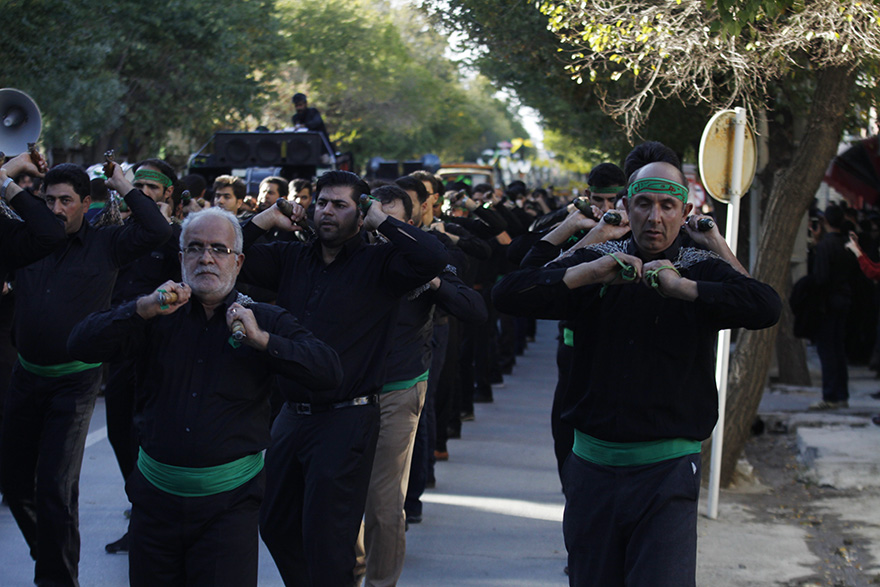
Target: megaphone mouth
<point x="21" y="121"/>
<point x="14" y="117"/>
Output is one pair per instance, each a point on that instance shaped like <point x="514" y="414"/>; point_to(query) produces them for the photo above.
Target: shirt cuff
<point x="274" y="346"/>
<point x="551" y="277"/>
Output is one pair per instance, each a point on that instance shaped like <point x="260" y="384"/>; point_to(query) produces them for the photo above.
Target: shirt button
<point x="632" y="342"/>
<point x="187" y="428"/>
<point x="200" y="361"/>
<point x="195" y="395"/>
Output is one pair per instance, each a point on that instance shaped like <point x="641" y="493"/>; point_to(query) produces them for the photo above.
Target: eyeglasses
<point x="216" y="250"/>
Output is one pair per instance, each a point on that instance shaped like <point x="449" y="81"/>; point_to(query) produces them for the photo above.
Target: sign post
<point x="728" y="154"/>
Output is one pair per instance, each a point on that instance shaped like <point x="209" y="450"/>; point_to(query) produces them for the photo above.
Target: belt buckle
<point x="303" y="409"/>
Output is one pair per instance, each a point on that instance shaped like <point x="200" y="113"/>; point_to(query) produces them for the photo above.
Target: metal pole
<point x="722" y="361"/>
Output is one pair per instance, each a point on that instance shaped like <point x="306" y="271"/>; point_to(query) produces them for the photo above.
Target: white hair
<point x="220" y="213"/>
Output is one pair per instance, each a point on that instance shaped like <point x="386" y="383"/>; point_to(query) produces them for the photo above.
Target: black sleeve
<point x="468" y="243"/>
<point x="22" y="243"/>
<point x="495" y="222"/>
<point x="146" y="232"/>
<point x="549" y="220"/>
<point x="539" y="292"/>
<point x="519" y="248"/>
<point x="110" y="335"/>
<point x="459" y="300"/>
<point x="294" y="352"/>
<point x="514" y="226"/>
<point x="486" y="223"/>
<point x="263" y="262"/>
<point x="415" y="259"/>
<point x="313" y="120"/>
<point x="729" y="299"/>
<point x="541" y="253"/>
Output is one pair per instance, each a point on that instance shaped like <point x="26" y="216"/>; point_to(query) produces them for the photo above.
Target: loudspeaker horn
<point x="20" y="121"/>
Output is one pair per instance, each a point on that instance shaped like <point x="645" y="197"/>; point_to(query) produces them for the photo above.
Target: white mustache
<point x="203" y="271"/>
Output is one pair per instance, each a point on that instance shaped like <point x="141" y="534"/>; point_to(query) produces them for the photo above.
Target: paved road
<point x="494" y="518"/>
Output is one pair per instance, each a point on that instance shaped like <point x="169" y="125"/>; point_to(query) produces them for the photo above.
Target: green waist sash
<point x="398" y="385"/>
<point x="631" y="454"/>
<point x="568" y="337"/>
<point x="199" y="481"/>
<point x="57" y="370"/>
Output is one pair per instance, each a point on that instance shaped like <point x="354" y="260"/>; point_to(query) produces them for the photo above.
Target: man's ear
<point x="688" y="208"/>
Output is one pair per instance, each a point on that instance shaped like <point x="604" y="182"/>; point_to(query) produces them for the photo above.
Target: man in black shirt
<point x="832" y="270"/>
<point x="157" y="180"/>
<point x="206" y="417"/>
<point x="28" y="232"/>
<point x="306" y="117"/>
<point x="347" y="293"/>
<point x="640" y="411"/>
<point x="402" y="397"/>
<point x="51" y="396"/>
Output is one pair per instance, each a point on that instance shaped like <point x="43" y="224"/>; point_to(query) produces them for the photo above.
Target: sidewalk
<point x="494" y="518"/>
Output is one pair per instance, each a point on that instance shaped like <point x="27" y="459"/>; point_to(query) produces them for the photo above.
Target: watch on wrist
<point x="5" y="185"/>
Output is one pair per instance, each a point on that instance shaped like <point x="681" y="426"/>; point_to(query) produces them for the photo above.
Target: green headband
<point x="152" y="175"/>
<point x="658" y="185"/>
<point x="612" y="189"/>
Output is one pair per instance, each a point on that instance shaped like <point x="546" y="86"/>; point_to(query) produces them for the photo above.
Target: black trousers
<point x="831" y="346"/>
<point x="317" y="474"/>
<point x="45" y="425"/>
<point x="563" y="432"/>
<point x="448" y="403"/>
<point x="631" y="526"/>
<point x="119" y="401"/>
<point x="206" y="541"/>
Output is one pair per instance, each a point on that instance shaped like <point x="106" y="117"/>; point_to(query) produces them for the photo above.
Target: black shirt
<point x="77" y="279"/>
<point x="149" y="271"/>
<point x="204" y="401"/>
<point x="22" y="243"/>
<point x="352" y="303"/>
<point x="832" y="270"/>
<point x="643" y="366"/>
<point x="311" y="119"/>
<point x="410" y="354"/>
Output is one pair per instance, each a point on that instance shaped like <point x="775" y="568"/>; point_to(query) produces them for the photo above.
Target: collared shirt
<point x="352" y="303"/>
<point x="77" y="279"/>
<point x="22" y="243"/>
<point x="204" y="401"/>
<point x="643" y="366"/>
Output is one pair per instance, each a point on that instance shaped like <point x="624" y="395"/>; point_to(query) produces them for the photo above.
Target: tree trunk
<point x="791" y="352"/>
<point x="793" y="190"/>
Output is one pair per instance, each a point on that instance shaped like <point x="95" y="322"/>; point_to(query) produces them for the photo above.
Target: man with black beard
<point x="347" y="293"/>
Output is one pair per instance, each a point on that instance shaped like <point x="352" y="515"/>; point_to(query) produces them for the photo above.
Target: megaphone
<point x="20" y="121"/>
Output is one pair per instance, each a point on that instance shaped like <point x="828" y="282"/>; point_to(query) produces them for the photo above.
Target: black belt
<point x="302" y="409"/>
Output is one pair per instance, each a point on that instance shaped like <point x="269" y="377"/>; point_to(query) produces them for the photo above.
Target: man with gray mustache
<point x="205" y="414"/>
